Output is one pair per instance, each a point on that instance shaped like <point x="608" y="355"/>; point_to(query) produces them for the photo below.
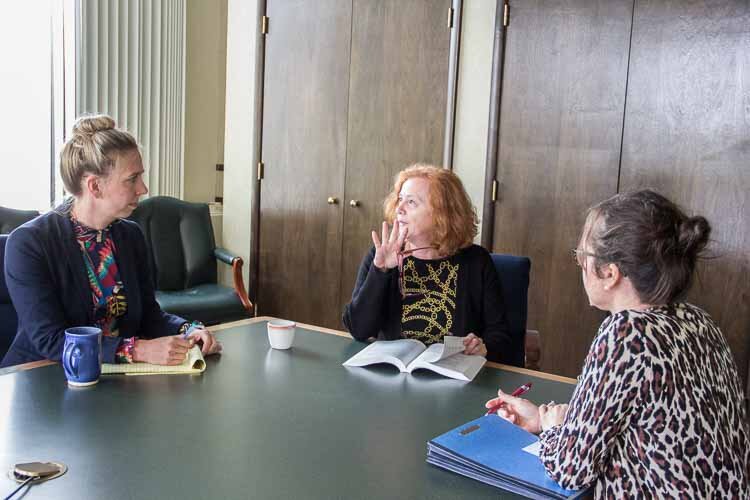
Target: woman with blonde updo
<point x="424" y="278"/>
<point x="83" y="264"/>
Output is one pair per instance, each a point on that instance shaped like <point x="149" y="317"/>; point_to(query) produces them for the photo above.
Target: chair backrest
<point x="11" y="218"/>
<point x="180" y="239"/>
<point x="8" y="318"/>
<point x="514" y="276"/>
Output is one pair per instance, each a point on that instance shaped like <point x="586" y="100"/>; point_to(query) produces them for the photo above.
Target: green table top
<point x="259" y="423"/>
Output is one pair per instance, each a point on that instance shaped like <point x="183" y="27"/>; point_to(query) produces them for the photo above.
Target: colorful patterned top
<point x="108" y="297"/>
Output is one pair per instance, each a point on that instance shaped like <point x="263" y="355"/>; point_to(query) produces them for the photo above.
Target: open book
<point x="193" y="363"/>
<point x="408" y="355"/>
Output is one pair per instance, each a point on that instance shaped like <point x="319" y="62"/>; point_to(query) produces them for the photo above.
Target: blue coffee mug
<point x="82" y="355"/>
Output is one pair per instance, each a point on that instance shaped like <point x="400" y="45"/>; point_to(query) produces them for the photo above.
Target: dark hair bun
<point x="89" y="125"/>
<point x="693" y="235"/>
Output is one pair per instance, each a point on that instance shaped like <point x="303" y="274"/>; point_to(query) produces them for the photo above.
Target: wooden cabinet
<point x="687" y="134"/>
<point x="354" y="90"/>
<point x="599" y="97"/>
<point x="563" y="98"/>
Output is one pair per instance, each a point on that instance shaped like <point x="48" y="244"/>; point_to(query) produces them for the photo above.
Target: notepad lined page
<point x="194" y="363"/>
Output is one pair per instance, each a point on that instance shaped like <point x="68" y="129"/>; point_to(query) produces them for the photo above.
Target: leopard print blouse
<point x="658" y="412"/>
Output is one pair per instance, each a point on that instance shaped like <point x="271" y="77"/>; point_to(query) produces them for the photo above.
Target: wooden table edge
<point x="330" y="331"/>
<point x="498" y="366"/>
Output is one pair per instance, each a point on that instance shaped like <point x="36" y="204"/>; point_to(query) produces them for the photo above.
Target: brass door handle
<point x="354" y="203"/>
<point x="332" y="200"/>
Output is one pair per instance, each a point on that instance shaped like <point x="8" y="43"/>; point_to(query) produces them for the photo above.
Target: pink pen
<point x="518" y="392"/>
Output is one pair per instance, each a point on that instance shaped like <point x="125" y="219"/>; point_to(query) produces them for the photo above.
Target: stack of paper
<point x="496" y="452"/>
<point x="193" y="363"/>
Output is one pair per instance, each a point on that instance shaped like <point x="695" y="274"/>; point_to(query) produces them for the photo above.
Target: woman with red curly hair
<point x="424" y="278"/>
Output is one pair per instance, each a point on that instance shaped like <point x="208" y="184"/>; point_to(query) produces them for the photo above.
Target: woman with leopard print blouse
<point x="658" y="411"/>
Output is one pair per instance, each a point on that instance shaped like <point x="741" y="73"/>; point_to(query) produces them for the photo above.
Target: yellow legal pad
<point x="194" y="363"/>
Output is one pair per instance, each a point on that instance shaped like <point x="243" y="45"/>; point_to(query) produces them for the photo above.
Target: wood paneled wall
<point x="563" y="98"/>
<point x="687" y="134"/>
<point x="304" y="147"/>
<point x="399" y="80"/>
<point x="607" y="96"/>
<point x="354" y="91"/>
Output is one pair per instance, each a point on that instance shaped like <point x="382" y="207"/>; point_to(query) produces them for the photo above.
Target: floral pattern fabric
<point x="108" y="297"/>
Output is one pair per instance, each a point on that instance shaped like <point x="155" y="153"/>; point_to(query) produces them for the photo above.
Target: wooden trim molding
<point x="260" y="65"/>
<point x="26" y="366"/>
<point x="493" y="129"/>
<point x="533" y="373"/>
<point x="497" y="366"/>
<point x="450" y="112"/>
<point x="329" y="331"/>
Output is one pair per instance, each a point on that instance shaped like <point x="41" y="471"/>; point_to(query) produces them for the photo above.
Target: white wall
<point x="205" y="80"/>
<point x="239" y="171"/>
<point x="473" y="97"/>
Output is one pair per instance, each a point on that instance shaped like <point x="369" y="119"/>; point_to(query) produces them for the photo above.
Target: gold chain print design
<point x="435" y="303"/>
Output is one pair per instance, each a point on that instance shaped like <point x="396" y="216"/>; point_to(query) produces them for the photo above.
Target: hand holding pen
<point x="499" y="404"/>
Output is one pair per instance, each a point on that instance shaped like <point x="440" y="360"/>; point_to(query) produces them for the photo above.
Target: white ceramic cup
<point x="281" y="333"/>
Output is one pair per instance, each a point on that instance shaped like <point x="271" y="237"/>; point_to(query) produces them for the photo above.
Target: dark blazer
<point x="49" y="287"/>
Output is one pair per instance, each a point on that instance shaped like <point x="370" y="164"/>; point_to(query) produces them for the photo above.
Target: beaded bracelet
<point x="124" y="353"/>
<point x="185" y="328"/>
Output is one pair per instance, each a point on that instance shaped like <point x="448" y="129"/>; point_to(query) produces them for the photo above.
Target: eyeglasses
<point x="401" y="255"/>
<point x="577" y="257"/>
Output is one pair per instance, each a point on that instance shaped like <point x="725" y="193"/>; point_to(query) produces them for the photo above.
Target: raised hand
<point x="386" y="253"/>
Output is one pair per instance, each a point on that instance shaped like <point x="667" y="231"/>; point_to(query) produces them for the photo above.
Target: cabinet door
<point x="397" y="108"/>
<point x="304" y="150"/>
<point x="562" y="106"/>
<point x="687" y="134"/>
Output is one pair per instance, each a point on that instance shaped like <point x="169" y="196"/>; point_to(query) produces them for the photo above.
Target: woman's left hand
<point x="474" y="346"/>
<point x="208" y="340"/>
<point x="552" y="414"/>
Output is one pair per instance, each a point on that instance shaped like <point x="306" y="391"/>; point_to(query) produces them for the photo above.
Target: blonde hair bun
<point x="90" y="125"/>
<point x="92" y="149"/>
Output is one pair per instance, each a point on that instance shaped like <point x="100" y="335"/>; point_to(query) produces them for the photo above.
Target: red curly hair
<point x="453" y="216"/>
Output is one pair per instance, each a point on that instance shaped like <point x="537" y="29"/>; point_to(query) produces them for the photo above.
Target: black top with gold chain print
<point x="428" y="310"/>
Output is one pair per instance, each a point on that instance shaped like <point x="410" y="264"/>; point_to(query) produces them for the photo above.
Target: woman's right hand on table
<point x="386" y="253"/>
<point x="162" y="351"/>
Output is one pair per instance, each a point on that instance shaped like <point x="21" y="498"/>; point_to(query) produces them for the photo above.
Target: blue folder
<point x="490" y="449"/>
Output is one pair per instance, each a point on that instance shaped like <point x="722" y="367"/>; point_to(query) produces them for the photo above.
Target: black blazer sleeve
<point x="367" y="313"/>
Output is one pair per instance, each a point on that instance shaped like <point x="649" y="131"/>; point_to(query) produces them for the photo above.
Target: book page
<point x="451" y="345"/>
<point x="458" y="366"/>
<point x="396" y="352"/>
<point x="194" y="363"/>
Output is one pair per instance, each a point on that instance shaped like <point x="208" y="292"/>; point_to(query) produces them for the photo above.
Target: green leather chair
<point x="183" y="256"/>
<point x="11" y="218"/>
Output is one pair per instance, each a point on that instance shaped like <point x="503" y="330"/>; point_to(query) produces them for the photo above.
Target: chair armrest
<point x="238" y="282"/>
<point x="225" y="255"/>
<point x="533" y="350"/>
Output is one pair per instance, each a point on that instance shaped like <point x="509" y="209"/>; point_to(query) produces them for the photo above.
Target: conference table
<point x="258" y="423"/>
